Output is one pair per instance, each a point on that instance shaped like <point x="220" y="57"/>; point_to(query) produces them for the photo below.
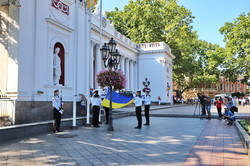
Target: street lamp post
<point x="111" y="59"/>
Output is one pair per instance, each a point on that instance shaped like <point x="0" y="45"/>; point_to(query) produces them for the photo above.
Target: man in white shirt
<point x="96" y="102"/>
<point x="147" y="102"/>
<point x="56" y="103"/>
<point x="138" y="104"/>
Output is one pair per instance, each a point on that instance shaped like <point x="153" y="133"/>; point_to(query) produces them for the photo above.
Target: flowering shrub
<point x="116" y="79"/>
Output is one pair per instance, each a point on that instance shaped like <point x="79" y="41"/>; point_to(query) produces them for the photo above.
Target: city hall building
<point x="55" y="44"/>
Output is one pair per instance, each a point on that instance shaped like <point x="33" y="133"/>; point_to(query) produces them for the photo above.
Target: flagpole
<point x="110" y="127"/>
<point x="90" y="46"/>
<point x="100" y="25"/>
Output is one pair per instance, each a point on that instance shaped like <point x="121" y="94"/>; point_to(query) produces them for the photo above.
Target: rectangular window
<point x="221" y="86"/>
<point x="232" y="87"/>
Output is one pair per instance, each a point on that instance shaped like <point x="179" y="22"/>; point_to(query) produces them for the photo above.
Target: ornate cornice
<point x="61" y="6"/>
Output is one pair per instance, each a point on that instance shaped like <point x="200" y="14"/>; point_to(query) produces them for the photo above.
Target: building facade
<point x="55" y="44"/>
<point x="223" y="87"/>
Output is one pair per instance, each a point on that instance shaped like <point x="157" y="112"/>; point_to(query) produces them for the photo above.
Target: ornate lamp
<point x="111" y="58"/>
<point x="116" y="56"/>
<point x="112" y="45"/>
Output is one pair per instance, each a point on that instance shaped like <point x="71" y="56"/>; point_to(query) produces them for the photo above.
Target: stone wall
<point x="38" y="111"/>
<point x="4" y="24"/>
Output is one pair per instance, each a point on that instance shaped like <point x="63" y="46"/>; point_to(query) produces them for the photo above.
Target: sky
<point x="210" y="15"/>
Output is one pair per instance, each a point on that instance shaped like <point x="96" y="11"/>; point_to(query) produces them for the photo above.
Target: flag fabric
<point x="94" y="2"/>
<point x="118" y="100"/>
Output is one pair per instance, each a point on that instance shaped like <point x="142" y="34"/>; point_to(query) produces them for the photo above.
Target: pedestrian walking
<point x="219" y="103"/>
<point x="138" y="104"/>
<point x="57" y="105"/>
<point x="147" y="102"/>
<point x="96" y="103"/>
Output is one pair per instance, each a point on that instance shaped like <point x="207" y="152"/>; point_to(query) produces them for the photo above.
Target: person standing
<point x="56" y="103"/>
<point x="96" y="102"/>
<point x="106" y="109"/>
<point x="230" y="103"/>
<point x="159" y="100"/>
<point x="207" y="102"/>
<point x="201" y="97"/>
<point x="219" y="103"/>
<point x="138" y="104"/>
<point x="147" y="102"/>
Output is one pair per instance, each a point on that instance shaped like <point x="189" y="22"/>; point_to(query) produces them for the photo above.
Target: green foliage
<point x="237" y="38"/>
<point x="238" y="94"/>
<point x="196" y="61"/>
<point x="245" y="123"/>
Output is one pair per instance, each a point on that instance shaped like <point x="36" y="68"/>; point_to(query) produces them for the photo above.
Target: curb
<point x="244" y="137"/>
<point x="26" y="130"/>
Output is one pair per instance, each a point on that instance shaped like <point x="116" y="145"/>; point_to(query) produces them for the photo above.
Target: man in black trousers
<point x="96" y="103"/>
<point x="147" y="102"/>
<point x="56" y="103"/>
<point x="202" y="96"/>
<point x="138" y="104"/>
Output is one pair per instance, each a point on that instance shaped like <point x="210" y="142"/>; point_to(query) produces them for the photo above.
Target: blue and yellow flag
<point x="118" y="100"/>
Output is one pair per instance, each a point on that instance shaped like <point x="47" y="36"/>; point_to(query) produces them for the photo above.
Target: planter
<point x="245" y="138"/>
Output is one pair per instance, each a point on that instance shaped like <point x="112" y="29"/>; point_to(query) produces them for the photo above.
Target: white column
<point x="87" y="66"/>
<point x="136" y="76"/>
<point x="98" y="59"/>
<point x="122" y="64"/>
<point x="132" y="74"/>
<point x="91" y="69"/>
<point x="127" y="73"/>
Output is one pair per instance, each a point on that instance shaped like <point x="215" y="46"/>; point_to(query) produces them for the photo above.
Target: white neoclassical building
<point x="31" y="30"/>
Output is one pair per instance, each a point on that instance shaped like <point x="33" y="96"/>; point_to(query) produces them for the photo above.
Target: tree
<point x="161" y="20"/>
<point x="237" y="38"/>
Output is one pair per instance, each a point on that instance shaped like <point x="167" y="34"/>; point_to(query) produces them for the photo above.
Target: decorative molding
<point x="61" y="6"/>
<point x="51" y="21"/>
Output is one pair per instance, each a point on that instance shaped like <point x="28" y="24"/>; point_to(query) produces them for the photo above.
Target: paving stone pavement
<point x="218" y="144"/>
<point x="165" y="142"/>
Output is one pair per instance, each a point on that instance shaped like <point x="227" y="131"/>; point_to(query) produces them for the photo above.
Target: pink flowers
<point x="116" y="79"/>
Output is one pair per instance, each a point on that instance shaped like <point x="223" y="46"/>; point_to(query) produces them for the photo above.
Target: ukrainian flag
<point x="118" y="100"/>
